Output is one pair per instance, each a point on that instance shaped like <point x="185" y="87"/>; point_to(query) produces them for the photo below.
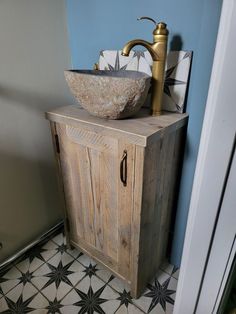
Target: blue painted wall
<point x="107" y="24"/>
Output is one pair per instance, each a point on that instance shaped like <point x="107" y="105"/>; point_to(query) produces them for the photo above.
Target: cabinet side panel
<point x="54" y="134"/>
<point x="161" y="162"/>
<point x="136" y="217"/>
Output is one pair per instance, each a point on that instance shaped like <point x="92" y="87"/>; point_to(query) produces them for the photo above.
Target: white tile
<point x="167" y="267"/>
<point x="59" y="239"/>
<point x="8" y="285"/>
<point x="103" y="273"/>
<point x="143" y="303"/>
<point x="23" y="266"/>
<point x="119" y="285"/>
<point x="78" y="273"/>
<point x="39" y="282"/>
<point x="134" y="310"/>
<point x="41" y="271"/>
<point x="3" y="304"/>
<point x="84" y="285"/>
<point x="71" y="298"/>
<point x="110" y="294"/>
<point x="56" y="259"/>
<point x="26" y="291"/>
<point x="86" y="260"/>
<point x="122" y="310"/>
<point x="11" y="277"/>
<point x="170" y="269"/>
<point x="50" y="250"/>
<point x="110" y="306"/>
<point x="39" y="302"/>
<point x="74" y="252"/>
<point x="176" y="274"/>
<point x="70" y="309"/>
<point x="50" y="246"/>
<point x="13" y="273"/>
<point x="26" y="265"/>
<point x="51" y="292"/>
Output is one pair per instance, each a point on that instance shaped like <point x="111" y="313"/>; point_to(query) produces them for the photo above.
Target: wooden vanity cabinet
<point x="119" y="179"/>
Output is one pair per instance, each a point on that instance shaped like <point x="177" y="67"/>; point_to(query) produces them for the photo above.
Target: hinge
<point x="57" y="143"/>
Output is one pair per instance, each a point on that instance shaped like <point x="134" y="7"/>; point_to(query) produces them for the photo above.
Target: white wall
<point x="33" y="54"/>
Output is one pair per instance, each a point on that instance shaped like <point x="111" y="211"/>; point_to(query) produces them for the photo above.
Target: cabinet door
<point x="98" y="179"/>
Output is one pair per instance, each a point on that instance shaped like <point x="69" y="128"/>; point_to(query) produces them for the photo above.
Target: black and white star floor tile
<point x="159" y="295"/>
<point x="23" y="298"/>
<point x="92" y="295"/>
<point x="67" y="281"/>
<point x="9" y="279"/>
<point x="58" y="276"/>
<point x="60" y="241"/>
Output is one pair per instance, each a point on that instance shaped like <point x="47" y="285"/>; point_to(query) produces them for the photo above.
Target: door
<point x="97" y="174"/>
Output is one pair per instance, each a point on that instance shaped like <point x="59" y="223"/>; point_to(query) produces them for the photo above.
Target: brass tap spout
<point x="157" y="50"/>
<point x="150" y="47"/>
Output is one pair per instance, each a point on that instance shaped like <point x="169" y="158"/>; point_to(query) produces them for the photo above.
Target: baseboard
<point x="20" y="254"/>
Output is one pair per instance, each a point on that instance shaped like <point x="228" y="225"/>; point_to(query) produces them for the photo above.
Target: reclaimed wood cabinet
<point x="119" y="179"/>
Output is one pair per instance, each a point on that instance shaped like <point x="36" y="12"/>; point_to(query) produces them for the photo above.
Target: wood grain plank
<point x="138" y="130"/>
<point x="108" y="181"/>
<point x="136" y="219"/>
<point x="157" y="201"/>
<point x="91" y="139"/>
<point x="125" y="207"/>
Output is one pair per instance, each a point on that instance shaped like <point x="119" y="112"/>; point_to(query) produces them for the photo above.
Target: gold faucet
<point x="157" y="50"/>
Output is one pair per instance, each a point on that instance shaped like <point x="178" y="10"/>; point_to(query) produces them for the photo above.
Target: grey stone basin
<point x="109" y="94"/>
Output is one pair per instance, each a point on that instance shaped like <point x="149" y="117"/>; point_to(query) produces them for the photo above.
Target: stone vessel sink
<point x="109" y="94"/>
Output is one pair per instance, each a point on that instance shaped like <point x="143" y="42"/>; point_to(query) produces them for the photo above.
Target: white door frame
<point x="223" y="248"/>
<point x="215" y="150"/>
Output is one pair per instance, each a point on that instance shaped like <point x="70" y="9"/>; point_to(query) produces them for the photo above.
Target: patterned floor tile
<point x="3" y="305"/>
<point x="170" y="269"/>
<point x="60" y="242"/>
<point x="175" y="274"/>
<point x="59" y="239"/>
<point x="131" y="310"/>
<point x="119" y="285"/>
<point x="58" y="276"/>
<point x="159" y="295"/>
<point x="9" y="279"/>
<point x="55" y="279"/>
<point x="24" y="298"/>
<point x="86" y="260"/>
<point x="95" y="295"/>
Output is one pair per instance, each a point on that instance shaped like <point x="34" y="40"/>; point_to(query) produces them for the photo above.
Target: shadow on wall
<point x="176" y="43"/>
<point x="37" y="101"/>
<point x="29" y="200"/>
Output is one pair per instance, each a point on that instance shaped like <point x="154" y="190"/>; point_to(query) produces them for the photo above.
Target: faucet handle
<point x="160" y="27"/>
<point x="147" y="18"/>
